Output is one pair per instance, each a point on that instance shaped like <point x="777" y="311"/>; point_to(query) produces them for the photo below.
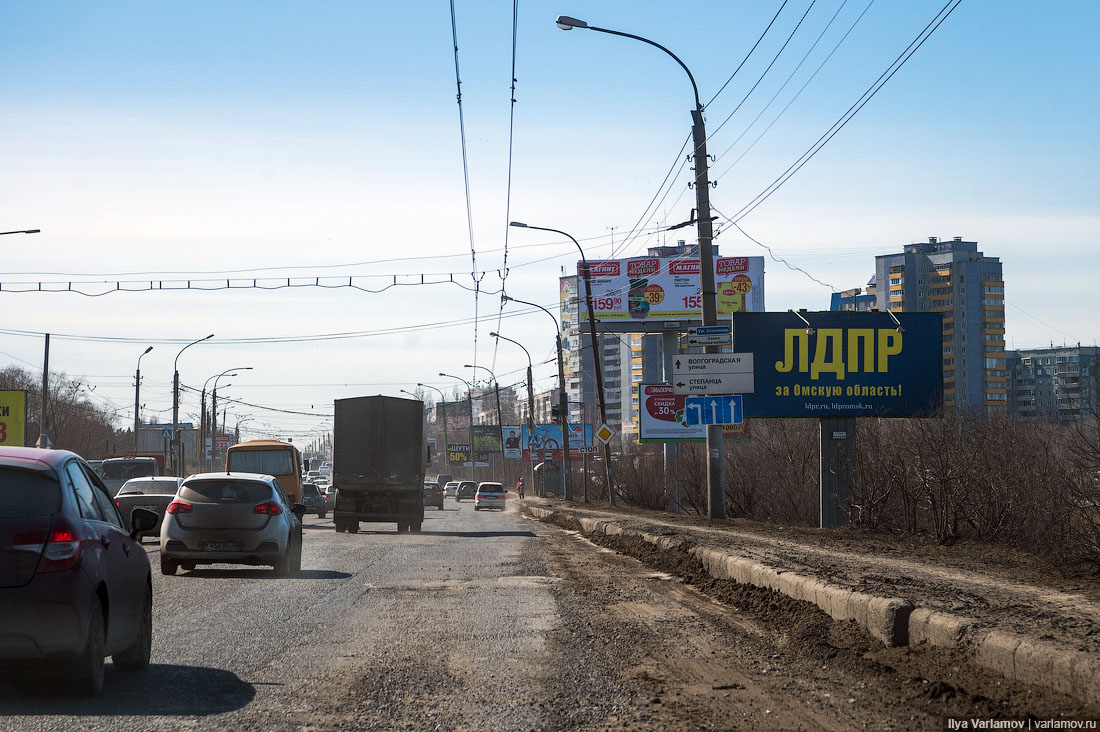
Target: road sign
<point x="604" y="433"/>
<point x="588" y="450"/>
<point x="712" y="373"/>
<point x="710" y="335"/>
<point x="166" y="433"/>
<point x="714" y="409"/>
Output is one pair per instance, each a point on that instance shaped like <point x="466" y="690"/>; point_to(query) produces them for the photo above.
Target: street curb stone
<point x="890" y="620"/>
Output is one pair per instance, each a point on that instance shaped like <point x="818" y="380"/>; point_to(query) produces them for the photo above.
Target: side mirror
<point x="142" y="520"/>
<point x="299" y="510"/>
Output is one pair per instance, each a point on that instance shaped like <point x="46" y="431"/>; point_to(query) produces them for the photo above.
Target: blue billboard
<point x="840" y="364"/>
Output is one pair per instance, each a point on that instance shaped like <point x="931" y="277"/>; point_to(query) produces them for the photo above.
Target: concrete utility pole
<point x="530" y="396"/>
<point x="470" y="401"/>
<point x="587" y="277"/>
<point x="716" y="493"/>
<point x="137" y="399"/>
<point x="563" y="398"/>
<point x="43" y="439"/>
<point x="446" y="440"/>
<point x="177" y="443"/>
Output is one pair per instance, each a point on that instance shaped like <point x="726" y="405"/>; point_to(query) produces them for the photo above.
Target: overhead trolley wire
<point x="871" y="91"/>
<point x="508" y="194"/>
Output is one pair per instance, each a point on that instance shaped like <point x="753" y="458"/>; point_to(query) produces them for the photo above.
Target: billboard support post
<point x="669" y="342"/>
<point x="835" y="436"/>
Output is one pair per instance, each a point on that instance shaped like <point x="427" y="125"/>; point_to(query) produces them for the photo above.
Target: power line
<point x="747" y="55"/>
<point x="837" y="126"/>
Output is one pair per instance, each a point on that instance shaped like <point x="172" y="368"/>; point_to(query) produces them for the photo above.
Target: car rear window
<point x="26" y="493"/>
<point x="491" y="488"/>
<point x="225" y="491"/>
<point x="132" y="487"/>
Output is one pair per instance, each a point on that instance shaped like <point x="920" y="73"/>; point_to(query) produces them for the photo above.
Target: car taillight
<point x="62" y="550"/>
<point x="179" y="507"/>
<point x="270" y="508"/>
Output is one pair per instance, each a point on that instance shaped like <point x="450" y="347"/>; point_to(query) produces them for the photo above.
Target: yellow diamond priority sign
<point x="604" y="433"/>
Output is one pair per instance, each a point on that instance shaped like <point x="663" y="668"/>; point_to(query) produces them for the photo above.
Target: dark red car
<point x="75" y="585"/>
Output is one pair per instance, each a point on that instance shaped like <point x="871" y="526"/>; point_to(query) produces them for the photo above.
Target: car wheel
<point x="352" y="527"/>
<point x="187" y="566"/>
<point x="83" y="676"/>
<point x="402" y="527"/>
<point x="477" y="508"/>
<point x="167" y="566"/>
<point x="282" y="565"/>
<point x="415" y="528"/>
<point x="136" y="657"/>
<point x="296" y="562"/>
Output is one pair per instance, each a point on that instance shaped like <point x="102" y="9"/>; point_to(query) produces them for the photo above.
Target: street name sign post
<point x="713" y="373"/>
<point x="710" y="335"/>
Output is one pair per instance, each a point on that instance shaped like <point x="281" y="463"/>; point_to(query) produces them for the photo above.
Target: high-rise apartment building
<point x="1057" y="383"/>
<point x="955" y="279"/>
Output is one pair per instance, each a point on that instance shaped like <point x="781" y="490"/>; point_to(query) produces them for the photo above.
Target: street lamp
<point x="177" y="453"/>
<point x="586" y="274"/>
<point x="716" y="494"/>
<point x="563" y="398"/>
<point x="213" y="436"/>
<point x="496" y="390"/>
<point x="137" y="398"/>
<point x="446" y="441"/>
<point x="470" y="399"/>
<point x="530" y="395"/>
<point x="22" y="231"/>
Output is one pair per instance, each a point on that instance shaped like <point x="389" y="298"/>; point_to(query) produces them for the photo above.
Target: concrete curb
<point x="890" y="620"/>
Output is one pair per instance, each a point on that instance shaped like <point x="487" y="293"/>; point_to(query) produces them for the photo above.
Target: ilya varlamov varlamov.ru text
<point x="959" y="723"/>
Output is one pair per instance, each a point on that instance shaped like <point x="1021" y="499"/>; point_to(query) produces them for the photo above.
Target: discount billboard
<point x="840" y="364"/>
<point x="639" y="295"/>
<point x="663" y="417"/>
<point x="13" y="417"/>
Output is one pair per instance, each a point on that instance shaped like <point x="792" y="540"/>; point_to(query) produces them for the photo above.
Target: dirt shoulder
<point x="996" y="587"/>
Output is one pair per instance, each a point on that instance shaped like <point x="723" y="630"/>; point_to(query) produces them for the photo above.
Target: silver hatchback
<point x="231" y="518"/>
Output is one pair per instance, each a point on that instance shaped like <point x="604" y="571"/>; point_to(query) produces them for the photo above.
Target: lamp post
<point x="716" y="494"/>
<point x="22" y="231"/>
<point x="204" y="422"/>
<point x="586" y="274"/>
<point x="563" y="398"/>
<point x="470" y="399"/>
<point x="446" y="440"/>
<point x="214" y="402"/>
<point x="496" y="391"/>
<point x="177" y="453"/>
<point x="530" y="397"/>
<point x="137" y="399"/>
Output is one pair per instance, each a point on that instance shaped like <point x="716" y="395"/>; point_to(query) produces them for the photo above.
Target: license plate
<point x="220" y="546"/>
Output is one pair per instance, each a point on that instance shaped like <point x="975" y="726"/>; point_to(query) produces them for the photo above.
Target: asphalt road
<point x="485" y="621"/>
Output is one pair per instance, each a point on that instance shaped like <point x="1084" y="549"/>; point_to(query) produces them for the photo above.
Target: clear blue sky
<point x="175" y="141"/>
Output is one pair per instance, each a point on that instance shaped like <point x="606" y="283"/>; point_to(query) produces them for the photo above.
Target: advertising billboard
<point x="13" y="418"/>
<point x="547" y="442"/>
<point x="644" y="294"/>
<point x="843" y="364"/>
<point x="513" y="441"/>
<point x="663" y="417"/>
<point x="486" y="439"/>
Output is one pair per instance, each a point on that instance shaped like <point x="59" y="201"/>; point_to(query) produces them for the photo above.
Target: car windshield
<point x="25" y="493"/>
<point x="126" y="469"/>
<point x="226" y="491"/>
<point x="264" y="462"/>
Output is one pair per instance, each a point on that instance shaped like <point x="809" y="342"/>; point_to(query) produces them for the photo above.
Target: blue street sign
<point x="166" y="433"/>
<point x="724" y="409"/>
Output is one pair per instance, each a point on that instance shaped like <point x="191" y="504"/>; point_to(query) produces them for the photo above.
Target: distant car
<point x="451" y="489"/>
<point x="96" y="466"/>
<point x="313" y="499"/>
<point x="490" y="495"/>
<point x="153" y="493"/>
<point x="433" y="495"/>
<point x="231" y="518"/>
<point x="329" y="492"/>
<point x="313" y="475"/>
<point x="466" y="489"/>
<point x="75" y="587"/>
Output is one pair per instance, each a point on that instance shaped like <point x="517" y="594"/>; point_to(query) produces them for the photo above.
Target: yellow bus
<point x="269" y="457"/>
